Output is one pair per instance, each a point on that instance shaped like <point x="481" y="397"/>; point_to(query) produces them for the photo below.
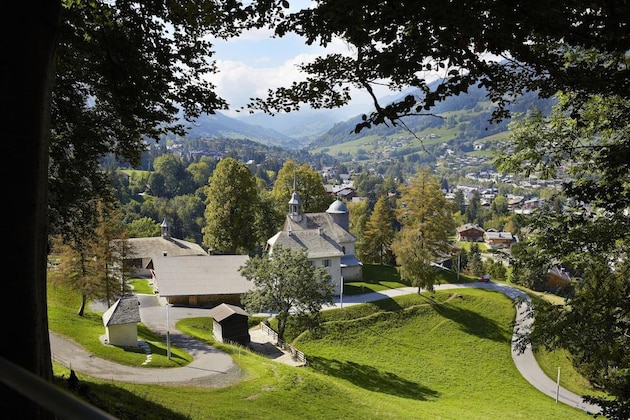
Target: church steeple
<point x="166" y="229"/>
<point x="295" y="204"/>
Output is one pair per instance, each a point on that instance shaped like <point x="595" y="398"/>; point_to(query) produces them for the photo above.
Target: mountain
<point x="461" y="119"/>
<point x="219" y="125"/>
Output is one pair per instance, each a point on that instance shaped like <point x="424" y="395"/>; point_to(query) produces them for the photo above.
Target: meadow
<point x="441" y="356"/>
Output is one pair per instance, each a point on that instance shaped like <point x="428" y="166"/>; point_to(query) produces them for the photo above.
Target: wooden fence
<point x="297" y="354"/>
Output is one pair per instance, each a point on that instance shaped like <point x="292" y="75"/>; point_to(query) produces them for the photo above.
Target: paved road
<point x="212" y="367"/>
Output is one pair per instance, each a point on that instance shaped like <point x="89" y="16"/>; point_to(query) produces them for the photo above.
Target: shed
<point x="121" y="322"/>
<point x="230" y="324"/>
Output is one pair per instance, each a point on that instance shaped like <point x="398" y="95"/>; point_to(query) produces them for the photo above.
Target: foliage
<point x="551" y="48"/>
<point x="427" y="224"/>
<point x="586" y="135"/>
<point x="529" y="268"/>
<point x="593" y="327"/>
<point x="379" y="234"/>
<point x="287" y="282"/>
<point x="358" y="215"/>
<point x="304" y="180"/>
<point x="231" y="204"/>
<point x="122" y="78"/>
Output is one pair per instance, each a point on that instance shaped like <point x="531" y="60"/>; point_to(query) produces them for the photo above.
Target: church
<point x="325" y="237"/>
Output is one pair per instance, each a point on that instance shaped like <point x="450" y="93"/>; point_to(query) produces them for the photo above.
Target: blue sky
<point x="253" y="63"/>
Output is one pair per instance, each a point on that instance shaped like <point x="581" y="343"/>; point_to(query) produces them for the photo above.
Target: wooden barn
<point x="230" y="324"/>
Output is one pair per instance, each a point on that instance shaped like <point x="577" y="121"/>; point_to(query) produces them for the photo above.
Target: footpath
<point x="214" y="368"/>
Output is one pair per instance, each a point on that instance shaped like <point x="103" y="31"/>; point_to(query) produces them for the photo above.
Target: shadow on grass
<point x="372" y="379"/>
<point x="117" y="401"/>
<point x="474" y="323"/>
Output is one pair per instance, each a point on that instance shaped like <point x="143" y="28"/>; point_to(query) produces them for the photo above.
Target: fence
<point x="297" y="354"/>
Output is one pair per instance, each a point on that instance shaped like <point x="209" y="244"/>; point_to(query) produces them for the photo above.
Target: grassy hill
<point x="443" y="356"/>
<point x="456" y="123"/>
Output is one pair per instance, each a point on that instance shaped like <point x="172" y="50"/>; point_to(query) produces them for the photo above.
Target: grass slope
<point x="440" y="357"/>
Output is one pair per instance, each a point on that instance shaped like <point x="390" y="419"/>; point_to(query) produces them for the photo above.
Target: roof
<point x="124" y="311"/>
<point x="495" y="236"/>
<point x="337" y="206"/>
<point x="192" y="275"/>
<point x="312" y="221"/>
<point x="316" y="244"/>
<point x="469" y="226"/>
<point x="350" y="261"/>
<point x="158" y="245"/>
<point x="224" y="310"/>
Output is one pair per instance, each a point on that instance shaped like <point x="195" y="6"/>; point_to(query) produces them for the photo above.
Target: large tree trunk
<point x="28" y="40"/>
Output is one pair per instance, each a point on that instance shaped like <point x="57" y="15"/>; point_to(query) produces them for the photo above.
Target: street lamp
<point x="341" y="294"/>
<point x="168" y="333"/>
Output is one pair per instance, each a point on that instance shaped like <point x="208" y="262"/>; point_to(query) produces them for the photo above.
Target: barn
<point x="230" y="324"/>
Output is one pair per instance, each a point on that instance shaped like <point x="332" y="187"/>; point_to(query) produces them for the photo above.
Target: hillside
<point x="458" y="123"/>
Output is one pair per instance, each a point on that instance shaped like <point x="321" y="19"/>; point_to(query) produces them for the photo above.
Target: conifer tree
<point x="379" y="234"/>
<point x="427" y="224"/>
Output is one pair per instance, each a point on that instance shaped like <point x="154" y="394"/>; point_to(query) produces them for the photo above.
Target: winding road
<point x="214" y="368"/>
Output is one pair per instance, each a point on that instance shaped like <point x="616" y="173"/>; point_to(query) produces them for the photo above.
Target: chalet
<point x="495" y="239"/>
<point x="470" y="233"/>
<point x="557" y="279"/>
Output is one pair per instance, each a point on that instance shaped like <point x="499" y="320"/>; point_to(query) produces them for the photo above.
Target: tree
<point x="593" y="326"/>
<point x="474" y="263"/>
<point x="592" y="228"/>
<point x="427" y="224"/>
<point x="78" y="269"/>
<point x="286" y="282"/>
<point x="358" y="214"/>
<point x="309" y="184"/>
<point x="231" y="206"/>
<point x="561" y="47"/>
<point x="529" y="268"/>
<point x="379" y="234"/>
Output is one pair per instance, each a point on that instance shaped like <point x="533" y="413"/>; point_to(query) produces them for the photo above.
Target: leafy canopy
<point x="287" y="282"/>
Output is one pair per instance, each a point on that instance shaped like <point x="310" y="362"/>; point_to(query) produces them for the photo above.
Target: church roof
<point x="313" y="221"/>
<point x="337" y="206"/>
<point x="316" y="243"/>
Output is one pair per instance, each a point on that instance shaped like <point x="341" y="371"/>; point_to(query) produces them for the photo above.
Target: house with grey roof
<point x="121" y="322"/>
<point x="139" y="251"/>
<point x="325" y="238"/>
<point x="193" y="280"/>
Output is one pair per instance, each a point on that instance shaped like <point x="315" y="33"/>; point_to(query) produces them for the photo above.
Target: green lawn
<point x="443" y="356"/>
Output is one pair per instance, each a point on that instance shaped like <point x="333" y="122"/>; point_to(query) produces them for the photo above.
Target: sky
<point x="255" y="62"/>
<point x="252" y="64"/>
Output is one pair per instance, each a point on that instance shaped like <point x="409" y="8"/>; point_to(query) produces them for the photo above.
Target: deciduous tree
<point x="286" y="282"/>
<point x="309" y="184"/>
<point x="231" y="207"/>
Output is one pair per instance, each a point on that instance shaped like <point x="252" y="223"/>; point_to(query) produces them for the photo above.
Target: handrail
<point x="47" y="395"/>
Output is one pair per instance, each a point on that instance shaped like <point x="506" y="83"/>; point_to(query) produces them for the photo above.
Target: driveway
<point x="212" y="367"/>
